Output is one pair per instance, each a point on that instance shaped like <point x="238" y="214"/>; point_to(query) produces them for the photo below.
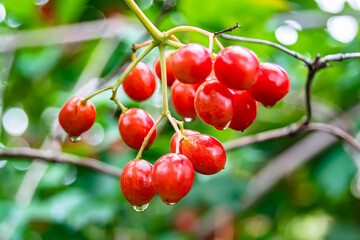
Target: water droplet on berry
<point x="170" y="203"/>
<point x="74" y="139"/>
<point x="269" y="106"/>
<point x="223" y="128"/>
<point x="189" y="119"/>
<point x="140" y="208"/>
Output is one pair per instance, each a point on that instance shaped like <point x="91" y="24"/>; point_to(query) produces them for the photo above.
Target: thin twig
<point x="56" y="157"/>
<point x="297" y="55"/>
<point x="340" y="57"/>
<point x="230" y="29"/>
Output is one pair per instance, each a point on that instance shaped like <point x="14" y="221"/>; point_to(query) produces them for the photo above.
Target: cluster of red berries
<point x="225" y="91"/>
<point x="222" y="92"/>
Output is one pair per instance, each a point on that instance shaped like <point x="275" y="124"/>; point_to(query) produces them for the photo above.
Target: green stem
<point x="193" y="29"/>
<point x="146" y="139"/>
<point x="150" y="27"/>
<point x="130" y="68"/>
<point x="122" y="107"/>
<point x="163" y="79"/>
<point x="83" y="102"/>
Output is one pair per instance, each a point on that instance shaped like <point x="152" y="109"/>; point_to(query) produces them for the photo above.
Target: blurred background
<point x="293" y="188"/>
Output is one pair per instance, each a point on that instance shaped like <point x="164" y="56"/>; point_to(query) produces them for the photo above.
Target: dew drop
<point x="189" y="119"/>
<point x="268" y="106"/>
<point x="74" y="139"/>
<point x="140" y="208"/>
<point x="223" y="128"/>
<point x="170" y="203"/>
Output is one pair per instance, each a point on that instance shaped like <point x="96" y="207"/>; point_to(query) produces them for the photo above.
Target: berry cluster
<point x="223" y="91"/>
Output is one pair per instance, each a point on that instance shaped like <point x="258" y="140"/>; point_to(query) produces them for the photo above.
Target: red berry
<point x="192" y="63"/>
<point x="134" y="126"/>
<point x="205" y="152"/>
<point x="173" y="177"/>
<point x="186" y="133"/>
<point x="272" y="84"/>
<point x="236" y="67"/>
<point x="245" y="110"/>
<point x="140" y="84"/>
<point x="213" y="104"/>
<point x="170" y="78"/>
<point x="182" y="98"/>
<point x="76" y="118"/>
<point x="136" y="183"/>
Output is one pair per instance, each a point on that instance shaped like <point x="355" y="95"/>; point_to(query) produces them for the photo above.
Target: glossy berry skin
<point x="236" y="67"/>
<point x="140" y="84"/>
<point x="186" y="133"/>
<point x="191" y="64"/>
<point x="182" y="98"/>
<point x="213" y="104"/>
<point x="76" y="118"/>
<point x="173" y="177"/>
<point x="205" y="152"/>
<point x="272" y="84"/>
<point x="245" y="110"/>
<point x="170" y="78"/>
<point x="134" y="125"/>
<point x="136" y="182"/>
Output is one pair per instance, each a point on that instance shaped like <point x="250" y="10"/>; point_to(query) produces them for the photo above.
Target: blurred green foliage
<point x="318" y="201"/>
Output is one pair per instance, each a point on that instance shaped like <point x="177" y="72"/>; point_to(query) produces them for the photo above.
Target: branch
<point x="293" y="129"/>
<point x="56" y="157"/>
<point x="297" y="55"/>
<point x="64" y="34"/>
<point x="340" y="57"/>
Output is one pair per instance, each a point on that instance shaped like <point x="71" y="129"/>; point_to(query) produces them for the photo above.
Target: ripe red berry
<point x="213" y="104"/>
<point x="173" y="177"/>
<point x="236" y="67"/>
<point x="136" y="183"/>
<point x="76" y="118"/>
<point x="186" y="133"/>
<point x="134" y="126"/>
<point x="170" y="78"/>
<point x="182" y="98"/>
<point x="140" y="84"/>
<point x="191" y="64"/>
<point x="245" y="110"/>
<point x="272" y="84"/>
<point x="205" y="152"/>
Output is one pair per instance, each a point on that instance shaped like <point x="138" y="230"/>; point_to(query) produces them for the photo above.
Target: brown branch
<point x="297" y="55"/>
<point x="56" y="157"/>
<point x="296" y="128"/>
<point x="230" y="29"/>
<point x="340" y="57"/>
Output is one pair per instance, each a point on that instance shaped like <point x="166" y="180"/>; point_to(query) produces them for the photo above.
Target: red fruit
<point x="205" y="152"/>
<point x="134" y="126"/>
<point x="191" y="64"/>
<point x="173" y="177"/>
<point x="213" y="104"/>
<point x="170" y="78"/>
<point x="236" y="67"/>
<point x="140" y="84"/>
<point x="136" y="183"/>
<point x="182" y="98"/>
<point x="245" y="110"/>
<point x="272" y="84"/>
<point x="76" y="118"/>
<point x="186" y="133"/>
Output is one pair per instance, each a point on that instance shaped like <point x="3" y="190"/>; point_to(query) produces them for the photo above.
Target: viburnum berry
<point x="185" y="133"/>
<point x="213" y="104"/>
<point x="140" y="84"/>
<point x="245" y="110"/>
<point x="134" y="125"/>
<point x="236" y="67"/>
<point x="76" y="118"/>
<point x="182" y="98"/>
<point x="191" y="64"/>
<point x="136" y="184"/>
<point x="173" y="177"/>
<point x="205" y="152"/>
<point x="170" y="78"/>
<point x="272" y="84"/>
